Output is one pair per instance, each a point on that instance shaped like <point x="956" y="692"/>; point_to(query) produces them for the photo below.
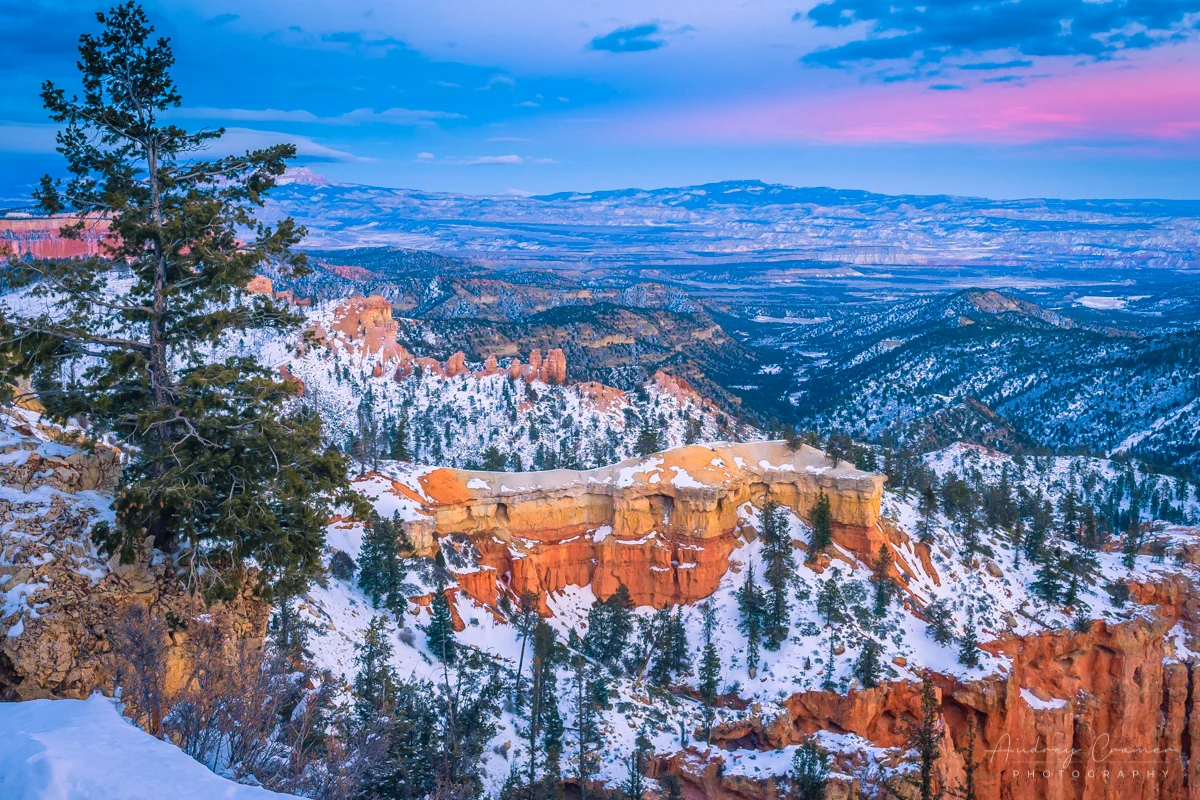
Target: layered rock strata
<point x="663" y="526"/>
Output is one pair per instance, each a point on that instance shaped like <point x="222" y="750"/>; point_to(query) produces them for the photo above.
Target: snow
<point x="1039" y="704"/>
<point x="85" y="750"/>
<point x="1101" y="303"/>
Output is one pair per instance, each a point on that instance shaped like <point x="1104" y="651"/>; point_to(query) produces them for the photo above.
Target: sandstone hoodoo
<point x="662" y="526"/>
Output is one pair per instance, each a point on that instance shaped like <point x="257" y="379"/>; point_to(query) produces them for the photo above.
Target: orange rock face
<point x="40" y="237"/>
<point x="260" y="284"/>
<point x="1108" y="719"/>
<point x="664" y="527"/>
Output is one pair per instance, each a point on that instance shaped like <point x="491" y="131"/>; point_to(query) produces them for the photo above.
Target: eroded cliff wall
<point x="663" y="526"/>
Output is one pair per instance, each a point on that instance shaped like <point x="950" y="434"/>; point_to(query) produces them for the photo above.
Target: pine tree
<point x="493" y="459"/>
<point x="524" y="621"/>
<point x="648" y="440"/>
<point x="970" y="536"/>
<point x="710" y="669"/>
<point x="375" y="682"/>
<point x="822" y="527"/>
<point x="810" y="772"/>
<point x="221" y="470"/>
<point x="968" y="644"/>
<point x="927" y="509"/>
<point x="1048" y="583"/>
<point x="966" y="788"/>
<point x="1133" y="542"/>
<point x="780" y="568"/>
<point x="925" y="739"/>
<point x="867" y="666"/>
<point x="635" y="782"/>
<point x="881" y="580"/>
<point x="381" y="569"/>
<point x="590" y="695"/>
<point x="751" y="605"/>
<point x="439" y="633"/>
<point x="398" y="443"/>
<point x="672" y="787"/>
<point x="609" y="624"/>
<point x="831" y="605"/>
<point x="827" y="683"/>
<point x="941" y="622"/>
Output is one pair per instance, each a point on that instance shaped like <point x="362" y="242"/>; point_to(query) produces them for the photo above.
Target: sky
<point x="1000" y="98"/>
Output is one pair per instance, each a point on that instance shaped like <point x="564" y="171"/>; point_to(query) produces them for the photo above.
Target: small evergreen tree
<point x="610" y="622"/>
<point x="810" y="772"/>
<point x="1048" y="584"/>
<point x="439" y="633"/>
<point x="867" y="667"/>
<point x="968" y="644"/>
<point x="831" y="605"/>
<point x="827" y="683"/>
<point x="822" y="527"/>
<point x="927" y="508"/>
<point x="941" y="622"/>
<point x="375" y="681"/>
<point x="881" y="580"/>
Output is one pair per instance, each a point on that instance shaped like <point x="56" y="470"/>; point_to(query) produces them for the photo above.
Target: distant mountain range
<point x="733" y="222"/>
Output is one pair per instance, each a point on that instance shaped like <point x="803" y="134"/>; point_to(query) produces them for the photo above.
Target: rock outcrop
<point x="663" y="526"/>
<point x="62" y="600"/>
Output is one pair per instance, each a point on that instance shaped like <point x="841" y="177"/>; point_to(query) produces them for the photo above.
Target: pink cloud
<point x="1102" y="103"/>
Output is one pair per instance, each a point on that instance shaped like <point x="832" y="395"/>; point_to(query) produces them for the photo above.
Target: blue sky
<point x="1070" y="98"/>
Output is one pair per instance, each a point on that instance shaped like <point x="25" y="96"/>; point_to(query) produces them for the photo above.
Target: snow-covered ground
<point x="85" y="750"/>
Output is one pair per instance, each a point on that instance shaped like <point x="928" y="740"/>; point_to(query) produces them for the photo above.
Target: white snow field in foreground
<point x="85" y="750"/>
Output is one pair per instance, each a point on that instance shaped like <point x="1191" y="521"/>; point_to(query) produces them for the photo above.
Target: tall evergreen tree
<point x="927" y="509"/>
<point x="590" y="695"/>
<point x="752" y="606"/>
<point x="881" y="580"/>
<point x="780" y="567"/>
<point x="221" y="468"/>
<point x="524" y="620"/>
<point x="822" y="527"/>
<point x="827" y="682"/>
<point x="635" y="781"/>
<point x="375" y="681"/>
<point x="925" y="739"/>
<point x="710" y="669"/>
<point x="831" y="604"/>
<point x="381" y="570"/>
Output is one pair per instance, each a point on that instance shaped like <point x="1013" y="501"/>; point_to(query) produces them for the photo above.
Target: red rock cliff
<point x="663" y="526"/>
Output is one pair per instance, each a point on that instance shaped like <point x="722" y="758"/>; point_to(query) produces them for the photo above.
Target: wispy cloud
<point x="510" y="159"/>
<point x="359" y="116"/>
<point x="932" y="32"/>
<point x="630" y="39"/>
<point x="237" y="140"/>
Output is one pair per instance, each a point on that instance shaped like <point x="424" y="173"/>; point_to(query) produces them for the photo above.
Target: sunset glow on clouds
<point x="1001" y="97"/>
<point x="1144" y="105"/>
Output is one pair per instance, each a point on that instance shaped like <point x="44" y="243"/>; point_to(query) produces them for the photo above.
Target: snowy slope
<point x="85" y="750"/>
